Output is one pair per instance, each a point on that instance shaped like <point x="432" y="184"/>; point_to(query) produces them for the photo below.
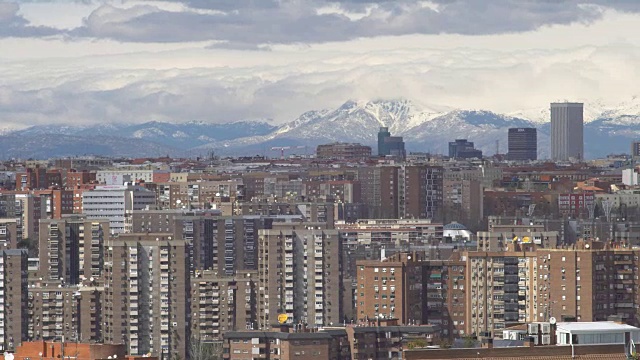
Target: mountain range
<point x="608" y="129"/>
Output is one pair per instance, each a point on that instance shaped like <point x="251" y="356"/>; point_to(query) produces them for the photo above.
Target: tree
<point x="417" y="344"/>
<point x="445" y="343"/>
<point x="469" y="342"/>
<point x="30" y="245"/>
<point x="201" y="350"/>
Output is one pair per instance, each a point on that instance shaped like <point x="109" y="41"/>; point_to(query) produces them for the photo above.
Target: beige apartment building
<point x="222" y="303"/>
<point x="73" y="312"/>
<point x="72" y="250"/>
<point x="146" y="294"/>
<point x="299" y="274"/>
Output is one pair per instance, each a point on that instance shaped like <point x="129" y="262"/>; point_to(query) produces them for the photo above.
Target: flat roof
<point x="591" y="327"/>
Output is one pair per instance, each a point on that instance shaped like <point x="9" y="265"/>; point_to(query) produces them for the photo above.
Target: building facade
<point x="299" y="274"/>
<point x="13" y="299"/>
<point x="116" y="203"/>
<point x="567" y="129"/>
<point x="146" y="300"/>
<point x="343" y="151"/>
<point x="523" y="144"/>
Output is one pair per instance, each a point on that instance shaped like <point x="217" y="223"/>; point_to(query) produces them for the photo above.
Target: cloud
<point x="12" y="24"/>
<point x="302" y="21"/>
<point x="505" y="81"/>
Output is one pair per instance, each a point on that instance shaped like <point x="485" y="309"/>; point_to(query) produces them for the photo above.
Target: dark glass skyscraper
<point x="523" y="144"/>
<point x="390" y="145"/>
<point x="382" y="147"/>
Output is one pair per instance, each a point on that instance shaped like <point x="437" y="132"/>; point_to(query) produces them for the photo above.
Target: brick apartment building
<point x="405" y="191"/>
<point x="13" y="298"/>
<point x="343" y="151"/>
<point x="391" y="288"/>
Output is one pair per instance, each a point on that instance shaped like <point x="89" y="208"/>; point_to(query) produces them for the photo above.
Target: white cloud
<point x="77" y="80"/>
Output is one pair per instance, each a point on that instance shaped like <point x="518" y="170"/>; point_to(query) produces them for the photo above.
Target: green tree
<point x="469" y="342"/>
<point x="200" y="350"/>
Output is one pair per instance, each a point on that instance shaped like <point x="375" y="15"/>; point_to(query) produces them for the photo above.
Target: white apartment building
<point x="118" y="177"/>
<point x="116" y="203"/>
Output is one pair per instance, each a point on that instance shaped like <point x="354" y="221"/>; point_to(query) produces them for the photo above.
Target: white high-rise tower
<point x="567" y="128"/>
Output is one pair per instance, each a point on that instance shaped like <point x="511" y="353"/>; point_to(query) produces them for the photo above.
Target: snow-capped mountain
<point x="608" y="129"/>
<point x="423" y="130"/>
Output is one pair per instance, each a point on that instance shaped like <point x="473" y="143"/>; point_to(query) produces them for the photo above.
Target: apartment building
<point x="308" y="211"/>
<point x="9" y="234"/>
<point x="391" y="231"/>
<point x="463" y="201"/>
<point x="445" y="295"/>
<point x="55" y="202"/>
<point x="13" y="299"/>
<point x="420" y="192"/>
<point x="344" y="191"/>
<point x="76" y="179"/>
<point x="379" y="191"/>
<point x="28" y="212"/>
<point x="146" y="300"/>
<point x="119" y="177"/>
<point x="222" y="303"/>
<point x="391" y="289"/>
<point x="116" y="203"/>
<point x="72" y="312"/>
<point x="223" y="244"/>
<point x="285" y="345"/>
<point x="500" y="235"/>
<point x="299" y="274"/>
<point x="590" y="282"/>
<point x="72" y="250"/>
<point x="343" y="151"/>
<point x="379" y="339"/>
<point x="198" y="194"/>
<point x="500" y="289"/>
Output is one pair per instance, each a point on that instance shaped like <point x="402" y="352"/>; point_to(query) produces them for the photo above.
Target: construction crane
<point x="283" y="148"/>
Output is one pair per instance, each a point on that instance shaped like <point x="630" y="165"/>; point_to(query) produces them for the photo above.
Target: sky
<point x="87" y="62"/>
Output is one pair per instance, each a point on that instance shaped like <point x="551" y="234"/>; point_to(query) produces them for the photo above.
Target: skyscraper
<point x="567" y="126"/>
<point x="523" y="144"/>
<point x="390" y="145"/>
<point x="382" y="135"/>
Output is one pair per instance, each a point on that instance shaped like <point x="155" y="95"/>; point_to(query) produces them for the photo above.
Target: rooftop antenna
<point x="532" y="207"/>
<point x="606" y="206"/>
<point x="591" y="206"/>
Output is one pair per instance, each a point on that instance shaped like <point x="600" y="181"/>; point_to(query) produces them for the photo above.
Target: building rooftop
<point x="454" y="226"/>
<point x="590" y="327"/>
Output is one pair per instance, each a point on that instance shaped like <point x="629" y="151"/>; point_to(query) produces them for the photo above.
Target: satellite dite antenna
<point x="607" y="205"/>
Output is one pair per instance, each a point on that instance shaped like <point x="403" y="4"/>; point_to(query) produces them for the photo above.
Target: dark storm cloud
<point x="259" y="22"/>
<point x="248" y="22"/>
